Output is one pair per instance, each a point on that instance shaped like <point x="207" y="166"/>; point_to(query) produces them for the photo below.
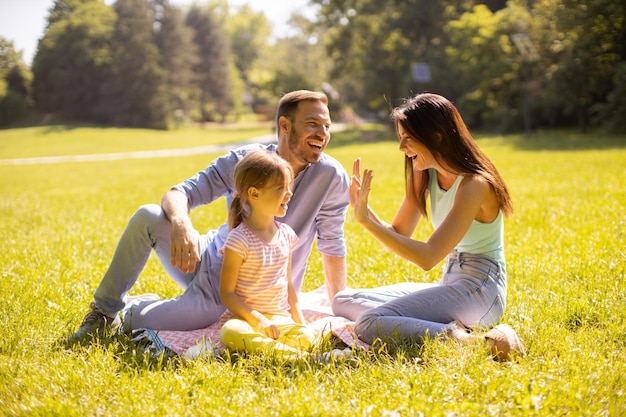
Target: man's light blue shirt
<point x="317" y="208"/>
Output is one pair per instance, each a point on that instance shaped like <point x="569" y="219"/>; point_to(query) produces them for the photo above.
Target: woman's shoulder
<point x="478" y="187"/>
<point x="476" y="182"/>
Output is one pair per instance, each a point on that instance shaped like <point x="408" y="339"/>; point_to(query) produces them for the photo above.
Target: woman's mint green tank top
<point x="481" y="238"/>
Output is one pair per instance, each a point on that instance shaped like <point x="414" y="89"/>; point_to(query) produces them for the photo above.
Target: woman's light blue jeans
<point x="472" y="291"/>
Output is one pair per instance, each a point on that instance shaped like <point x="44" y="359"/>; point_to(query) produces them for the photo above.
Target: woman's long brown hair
<point x="435" y="121"/>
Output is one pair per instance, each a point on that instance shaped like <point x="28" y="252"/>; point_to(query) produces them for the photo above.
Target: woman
<point x="468" y="200"/>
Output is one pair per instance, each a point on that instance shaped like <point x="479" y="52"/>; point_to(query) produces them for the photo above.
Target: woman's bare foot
<point x="459" y="332"/>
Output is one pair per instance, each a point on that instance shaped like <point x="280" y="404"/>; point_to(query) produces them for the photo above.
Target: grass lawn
<point x="565" y="246"/>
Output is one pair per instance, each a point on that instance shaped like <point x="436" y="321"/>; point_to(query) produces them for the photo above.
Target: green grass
<point x="59" y="224"/>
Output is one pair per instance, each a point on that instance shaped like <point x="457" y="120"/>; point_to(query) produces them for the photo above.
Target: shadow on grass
<point x="130" y="353"/>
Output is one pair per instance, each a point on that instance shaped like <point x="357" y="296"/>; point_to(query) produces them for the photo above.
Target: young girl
<point x="468" y="199"/>
<point x="256" y="272"/>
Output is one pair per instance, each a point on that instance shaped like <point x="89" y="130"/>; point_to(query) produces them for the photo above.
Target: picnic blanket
<point x="315" y="308"/>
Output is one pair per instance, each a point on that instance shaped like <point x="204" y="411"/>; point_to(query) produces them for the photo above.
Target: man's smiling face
<point x="308" y="134"/>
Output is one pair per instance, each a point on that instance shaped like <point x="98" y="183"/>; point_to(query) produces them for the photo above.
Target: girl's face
<point x="274" y="198"/>
<point x="420" y="155"/>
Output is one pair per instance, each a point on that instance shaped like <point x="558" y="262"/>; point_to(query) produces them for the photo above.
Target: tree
<point x="489" y="70"/>
<point x="297" y="61"/>
<point x="611" y="115"/>
<point x="73" y="58"/>
<point x="177" y="56"/>
<point x="134" y="94"/>
<point x="374" y="43"/>
<point x="214" y="93"/>
<point x="15" y="82"/>
<point x="248" y="32"/>
<point x="247" y="35"/>
<point x="583" y="41"/>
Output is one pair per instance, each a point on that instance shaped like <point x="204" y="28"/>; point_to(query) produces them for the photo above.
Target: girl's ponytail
<point x="236" y="212"/>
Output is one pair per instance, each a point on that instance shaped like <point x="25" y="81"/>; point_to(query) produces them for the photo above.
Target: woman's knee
<point x="367" y="317"/>
<point x="340" y="301"/>
<point x="365" y="323"/>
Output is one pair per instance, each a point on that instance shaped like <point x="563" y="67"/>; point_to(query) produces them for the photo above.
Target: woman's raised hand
<point x="355" y="181"/>
<point x="360" y="189"/>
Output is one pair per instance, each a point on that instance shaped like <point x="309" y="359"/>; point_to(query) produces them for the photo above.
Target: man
<point x="317" y="210"/>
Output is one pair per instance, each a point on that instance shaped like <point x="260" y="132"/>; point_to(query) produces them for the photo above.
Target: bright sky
<point x="23" y="21"/>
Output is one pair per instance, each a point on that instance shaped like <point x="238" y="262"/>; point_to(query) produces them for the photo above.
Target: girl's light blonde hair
<point x="257" y="169"/>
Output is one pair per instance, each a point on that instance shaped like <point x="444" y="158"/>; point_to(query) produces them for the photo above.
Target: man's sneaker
<point x="95" y="322"/>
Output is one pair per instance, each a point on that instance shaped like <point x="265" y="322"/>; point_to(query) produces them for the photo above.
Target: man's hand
<point x="184" y="246"/>
<point x="184" y="240"/>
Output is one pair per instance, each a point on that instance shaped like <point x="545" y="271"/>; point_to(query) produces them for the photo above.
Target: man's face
<point x="307" y="135"/>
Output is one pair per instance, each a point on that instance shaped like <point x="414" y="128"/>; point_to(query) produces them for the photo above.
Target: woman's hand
<point x="355" y="181"/>
<point x="361" y="208"/>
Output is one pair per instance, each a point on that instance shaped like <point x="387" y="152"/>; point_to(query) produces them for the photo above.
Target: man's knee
<point x="149" y="213"/>
<point x="151" y="218"/>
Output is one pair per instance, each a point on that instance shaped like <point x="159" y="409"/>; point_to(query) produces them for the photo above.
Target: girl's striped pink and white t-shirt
<point x="262" y="281"/>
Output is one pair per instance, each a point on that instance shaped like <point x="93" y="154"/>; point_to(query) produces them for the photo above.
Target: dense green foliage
<point x="70" y="67"/>
<point x="60" y="223"/>
<point x="15" y="82"/>
<point x="211" y="71"/>
<point x="577" y="46"/>
<point x="159" y="63"/>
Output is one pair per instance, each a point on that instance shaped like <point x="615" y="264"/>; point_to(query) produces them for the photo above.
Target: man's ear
<point x="284" y="123"/>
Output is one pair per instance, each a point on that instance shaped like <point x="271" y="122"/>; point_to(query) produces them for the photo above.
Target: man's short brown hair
<point x="289" y="102"/>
